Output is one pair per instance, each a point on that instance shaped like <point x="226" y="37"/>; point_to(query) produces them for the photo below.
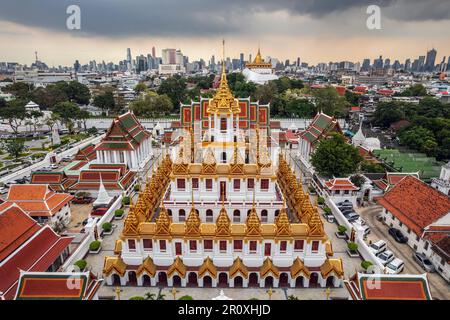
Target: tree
<point x="419" y="138"/>
<point x="140" y="87"/>
<point x="14" y="113"/>
<point x="52" y="121"/>
<point x="388" y="113"/>
<point x="75" y="91"/>
<point x="369" y="167"/>
<point x="105" y="101"/>
<point x="335" y="157"/>
<point x="266" y="94"/>
<point x="49" y="96"/>
<point x="358" y="180"/>
<point x="175" y="88"/>
<point x="2" y="103"/>
<point x="20" y="90"/>
<point x="352" y="98"/>
<point x="152" y="105"/>
<point x="328" y="101"/>
<point x="417" y="90"/>
<point x="15" y="148"/>
<point x="83" y="115"/>
<point x="35" y="117"/>
<point x="68" y="111"/>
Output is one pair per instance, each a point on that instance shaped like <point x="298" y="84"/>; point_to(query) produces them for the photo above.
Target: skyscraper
<point x="448" y="63"/>
<point x="154" y="52"/>
<point x="129" y="61"/>
<point x="365" y="65"/>
<point x="408" y="64"/>
<point x="241" y="62"/>
<point x="421" y="66"/>
<point x="431" y="60"/>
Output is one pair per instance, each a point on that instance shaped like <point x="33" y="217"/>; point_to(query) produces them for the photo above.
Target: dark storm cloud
<point x="122" y="18"/>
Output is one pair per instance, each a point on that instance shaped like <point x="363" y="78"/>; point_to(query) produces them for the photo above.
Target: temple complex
<point x="258" y="70"/>
<point x="223" y="212"/>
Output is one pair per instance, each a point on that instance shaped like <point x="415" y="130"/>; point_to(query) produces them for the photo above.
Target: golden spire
<point x="223" y="221"/>
<point x="253" y="224"/>
<point x="193" y="221"/>
<point x="223" y="101"/>
<point x="282" y="222"/>
<point x="163" y="222"/>
<point x="131" y="223"/>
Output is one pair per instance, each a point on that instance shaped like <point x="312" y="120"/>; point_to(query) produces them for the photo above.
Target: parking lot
<point x="440" y="289"/>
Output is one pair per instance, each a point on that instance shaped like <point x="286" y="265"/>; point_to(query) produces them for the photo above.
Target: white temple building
<point x="443" y="182"/>
<point x="259" y="71"/>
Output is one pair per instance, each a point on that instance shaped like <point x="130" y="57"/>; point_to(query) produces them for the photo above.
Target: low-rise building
<point x="40" y="203"/>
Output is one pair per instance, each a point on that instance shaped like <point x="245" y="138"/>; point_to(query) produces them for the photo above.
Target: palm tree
<point x="149" y="296"/>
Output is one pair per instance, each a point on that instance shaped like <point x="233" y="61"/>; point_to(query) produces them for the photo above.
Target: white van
<point x="378" y="247"/>
<point x="386" y="257"/>
<point x="395" y="266"/>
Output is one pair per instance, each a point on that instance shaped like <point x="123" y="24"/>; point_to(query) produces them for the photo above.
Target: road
<point x="438" y="286"/>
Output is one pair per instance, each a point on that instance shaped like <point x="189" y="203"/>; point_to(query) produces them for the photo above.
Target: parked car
<point x="395" y="266"/>
<point x="347" y="210"/>
<point x="82" y="200"/>
<point x="424" y="262"/>
<point x="345" y="202"/>
<point x="352" y="217"/>
<point x="386" y="257"/>
<point x="99" y="211"/>
<point x="398" y="235"/>
<point x="378" y="247"/>
<point x="3" y="190"/>
<point x="22" y="180"/>
<point x="365" y="228"/>
<point x="66" y="159"/>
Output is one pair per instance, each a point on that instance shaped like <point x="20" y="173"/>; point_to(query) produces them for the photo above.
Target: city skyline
<point x="312" y="30"/>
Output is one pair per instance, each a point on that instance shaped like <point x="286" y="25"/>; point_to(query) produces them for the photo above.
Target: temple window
<point x="236" y="216"/>
<point x="267" y="249"/>
<point x="223" y="246"/>
<point x="147" y="243"/>
<point x="208" y="183"/>
<point x="122" y="157"/>
<point x="195" y="183"/>
<point x="182" y="215"/>
<point x="315" y="246"/>
<point x="209" y="215"/>
<point x="169" y="212"/>
<point x="253" y="246"/>
<point x="237" y="245"/>
<point x="193" y="245"/>
<point x="264" y="184"/>
<point x="181" y="184"/>
<point x="277" y="212"/>
<point x="162" y="245"/>
<point x="283" y="246"/>
<point x="264" y="215"/>
<point x="223" y="124"/>
<point x="207" y="245"/>
<point x="237" y="184"/>
<point x="131" y="245"/>
<point x="224" y="157"/>
<point x="250" y="184"/>
<point x="298" y="245"/>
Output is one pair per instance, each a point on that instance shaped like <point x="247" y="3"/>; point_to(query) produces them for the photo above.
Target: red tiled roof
<point x="394" y="288"/>
<point x="393" y="177"/>
<point x="16" y="227"/>
<point x="291" y="136"/>
<point x="415" y="204"/>
<point x="29" y="198"/>
<point x="36" y="255"/>
<point x="340" y="184"/>
<point x="53" y="285"/>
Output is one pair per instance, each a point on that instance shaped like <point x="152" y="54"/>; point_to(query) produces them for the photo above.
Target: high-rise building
<point x="442" y="66"/>
<point x="421" y="66"/>
<point x="387" y="64"/>
<point x="153" y="52"/>
<point x="378" y="63"/>
<point x="241" y="61"/>
<point x="431" y="60"/>
<point x="366" y="65"/>
<point x="298" y="61"/>
<point x="169" y="56"/>
<point x="77" y="66"/>
<point x="448" y="63"/>
<point x="408" y="65"/>
<point x="141" y="63"/>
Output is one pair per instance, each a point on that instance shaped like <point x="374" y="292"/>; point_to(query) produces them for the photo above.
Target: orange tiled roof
<point x="415" y="204"/>
<point x="37" y="200"/>
<point x="340" y="184"/>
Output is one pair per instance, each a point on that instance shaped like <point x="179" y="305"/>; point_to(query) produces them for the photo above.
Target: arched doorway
<point x="330" y="281"/>
<point x="176" y="280"/>
<point x="253" y="280"/>
<point x="162" y="279"/>
<point x="299" y="282"/>
<point x="146" y="281"/>
<point x="268" y="282"/>
<point x="314" y="280"/>
<point x="236" y="216"/>
<point x="264" y="215"/>
<point x="284" y="280"/>
<point x="238" y="282"/>
<point x="115" y="280"/>
<point x="223" y="279"/>
<point x="207" y="282"/>
<point x="192" y="279"/>
<point x="132" y="280"/>
<point x="209" y="215"/>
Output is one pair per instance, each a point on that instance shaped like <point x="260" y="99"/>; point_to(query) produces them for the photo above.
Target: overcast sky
<point x="314" y="30"/>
